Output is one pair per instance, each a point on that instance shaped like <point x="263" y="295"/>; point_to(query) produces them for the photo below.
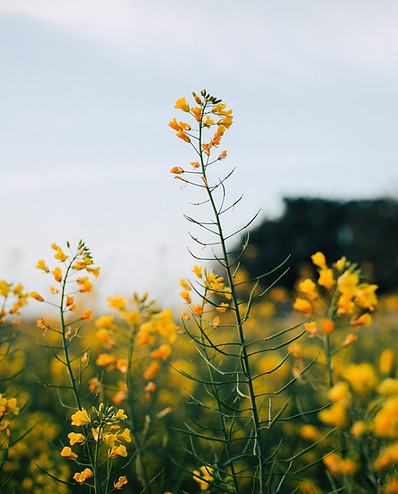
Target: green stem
<point x="258" y="445"/>
<point x="72" y="379"/>
<point x="142" y="475"/>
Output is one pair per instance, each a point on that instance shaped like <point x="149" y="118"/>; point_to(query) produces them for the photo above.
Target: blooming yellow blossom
<point x="350" y="339"/>
<point x="162" y="352"/>
<point x="385" y="423"/>
<point x="121" y="482"/>
<point x="308" y="287"/>
<point x="76" y="438"/>
<point x="388" y="386"/>
<point x="387" y="456"/>
<point x="37" y="297"/>
<point x="83" y="476"/>
<point x="42" y="265"/>
<point x="365" y="297"/>
<point x="57" y="274"/>
<point x="81" y="417"/>
<point x="151" y="372"/>
<point x="319" y="260"/>
<point x="362" y="377"/>
<point x="120" y="415"/>
<point x="105" y="322"/>
<point x="186" y="296"/>
<point x="117" y="303"/>
<point x="311" y="328"/>
<point x="181" y="104"/>
<point x="303" y="305"/>
<point x="87" y="315"/>
<point x="327" y="325"/>
<point x="363" y="320"/>
<point x="68" y="453"/>
<point x="337" y="465"/>
<point x="358" y="428"/>
<point x="326" y="278"/>
<point x="336" y="415"/>
<point x="118" y="451"/>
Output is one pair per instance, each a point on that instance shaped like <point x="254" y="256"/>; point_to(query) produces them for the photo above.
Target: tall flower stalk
<point x="243" y="418"/>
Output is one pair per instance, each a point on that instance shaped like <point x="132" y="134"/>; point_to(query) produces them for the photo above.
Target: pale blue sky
<point x="88" y="88"/>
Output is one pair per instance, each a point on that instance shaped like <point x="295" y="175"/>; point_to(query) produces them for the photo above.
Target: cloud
<point x="262" y="38"/>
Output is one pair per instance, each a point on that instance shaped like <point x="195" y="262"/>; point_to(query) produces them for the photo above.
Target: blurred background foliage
<point x="365" y="231"/>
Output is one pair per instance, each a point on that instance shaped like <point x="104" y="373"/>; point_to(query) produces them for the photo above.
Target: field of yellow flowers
<point x="249" y="389"/>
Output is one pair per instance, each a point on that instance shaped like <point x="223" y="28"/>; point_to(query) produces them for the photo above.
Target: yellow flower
<point x="363" y="320"/>
<point x="222" y="155"/>
<point x="388" y="387"/>
<point x="105" y="359"/>
<point x="177" y="170"/>
<point x="151" y="372"/>
<point x="345" y="304"/>
<point x="303" y="305"/>
<point x="83" y="476"/>
<point x="120" y="415"/>
<point x="68" y="453"/>
<point x="93" y="271"/>
<point x="57" y="274"/>
<point x="348" y="283"/>
<point x="117" y="303"/>
<point x="80" y="418"/>
<point x="309" y="432"/>
<point x="42" y="265"/>
<point x="132" y="317"/>
<point x="326" y="278"/>
<point x="162" y="352"/>
<point x="37" y="297"/>
<point x="198" y="309"/>
<point x="76" y="438"/>
<point x="308" y="287"/>
<point x="327" y="325"/>
<point x="186" y="296"/>
<point x="319" y="260"/>
<point x="60" y="255"/>
<point x="118" y="451"/>
<point x="388" y="456"/>
<point x="125" y="435"/>
<point x="121" y="482"/>
<point x="337" y="465"/>
<point x="365" y="297"/>
<point x="339" y="392"/>
<point x="386" y="361"/>
<point x="385" y="423"/>
<point x="203" y="477"/>
<point x="335" y="415"/>
<point x="185" y="285"/>
<point x="105" y="322"/>
<point x="362" y="377"/>
<point x="350" y="339"/>
<point x="181" y="104"/>
<point x="358" y="428"/>
<point x="197" y="113"/>
<point x="87" y="315"/>
<point x="311" y="328"/>
<point x="5" y="288"/>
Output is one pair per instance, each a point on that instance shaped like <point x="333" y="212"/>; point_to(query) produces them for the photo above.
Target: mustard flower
<point x="308" y="287"/>
<point x="81" y="417"/>
<point x="203" y="477"/>
<point x="121" y="482"/>
<point x="37" y="297"/>
<point x="68" y="453"/>
<point x="42" y="265"/>
<point x="319" y="260"/>
<point x="151" y="372"/>
<point x="181" y="104"/>
<point x="303" y="305"/>
<point x="76" y="438"/>
<point x="83" y="476"/>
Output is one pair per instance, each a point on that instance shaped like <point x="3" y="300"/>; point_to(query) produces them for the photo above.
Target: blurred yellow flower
<point x="203" y="477"/>
<point x="303" y="305"/>
<point x="362" y="377"/>
<point x="336" y="415"/>
<point x="326" y="278"/>
<point x="37" y="297"/>
<point x="319" y="260"/>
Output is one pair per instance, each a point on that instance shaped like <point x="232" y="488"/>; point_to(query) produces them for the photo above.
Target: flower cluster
<point x="349" y="295"/>
<point x="12" y="300"/>
<point x="209" y="114"/>
<point x="101" y="426"/>
<point x="72" y="265"/>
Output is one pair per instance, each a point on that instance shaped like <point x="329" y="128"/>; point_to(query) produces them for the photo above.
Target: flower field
<point x="249" y="389"/>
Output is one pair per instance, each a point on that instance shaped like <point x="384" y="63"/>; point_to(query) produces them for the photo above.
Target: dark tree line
<point x="365" y="231"/>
